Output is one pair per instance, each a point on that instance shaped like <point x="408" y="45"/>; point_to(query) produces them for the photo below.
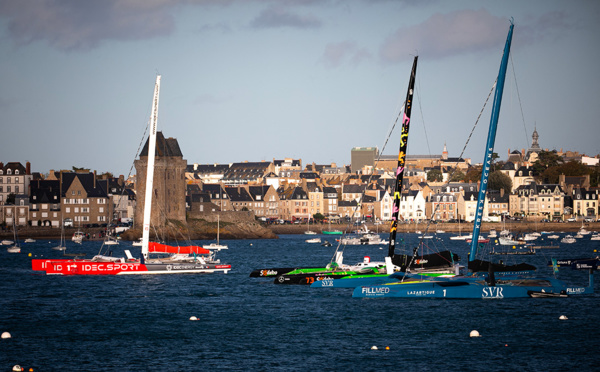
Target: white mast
<point x="150" y="170"/>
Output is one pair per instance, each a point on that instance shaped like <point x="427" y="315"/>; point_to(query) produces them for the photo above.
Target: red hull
<point x="86" y="267"/>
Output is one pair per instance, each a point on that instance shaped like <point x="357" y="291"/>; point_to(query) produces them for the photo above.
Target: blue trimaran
<point x="480" y="285"/>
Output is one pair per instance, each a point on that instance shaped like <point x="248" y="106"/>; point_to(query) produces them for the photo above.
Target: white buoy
<point x="474" y="333"/>
<point x="6" y="335"/>
<point x="17" y="368"/>
<point x="193" y="318"/>
<point x="563" y="317"/>
<point x="374" y="348"/>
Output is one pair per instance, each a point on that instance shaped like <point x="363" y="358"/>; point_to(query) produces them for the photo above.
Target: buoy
<point x="6" y="335"/>
<point x="387" y="347"/>
<point x="29" y="254"/>
<point x="505" y="345"/>
<point x="474" y="333"/>
<point x="563" y="317"/>
<point x="17" y="368"/>
<point x="193" y="318"/>
<point x="373" y="347"/>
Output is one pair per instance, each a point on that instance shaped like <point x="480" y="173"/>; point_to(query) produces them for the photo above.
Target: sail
<point x="163" y="248"/>
<point x="489" y="147"/>
<point x="150" y="170"/>
<point x="402" y="158"/>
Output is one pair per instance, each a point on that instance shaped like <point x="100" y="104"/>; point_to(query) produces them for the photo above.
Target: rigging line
<point x="519" y="97"/>
<point x="423" y="118"/>
<point x="455" y="167"/>
<point x="369" y="180"/>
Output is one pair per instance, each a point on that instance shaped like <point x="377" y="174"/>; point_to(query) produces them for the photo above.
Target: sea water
<point x="133" y="323"/>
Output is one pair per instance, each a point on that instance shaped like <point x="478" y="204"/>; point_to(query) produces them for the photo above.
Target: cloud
<point x="336" y="54"/>
<point x="444" y="35"/>
<point x="80" y="25"/>
<point x="277" y="17"/>
<point x="467" y="31"/>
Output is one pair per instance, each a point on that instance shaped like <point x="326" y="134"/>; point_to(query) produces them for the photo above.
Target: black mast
<point x="402" y="158"/>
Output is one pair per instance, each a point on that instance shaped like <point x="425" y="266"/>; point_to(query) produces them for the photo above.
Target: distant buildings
<point x="285" y="190"/>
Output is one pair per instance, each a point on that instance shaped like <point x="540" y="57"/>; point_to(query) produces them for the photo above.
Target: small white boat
<point x="439" y="231"/>
<point x="553" y="236"/>
<point x="215" y="246"/>
<point x="110" y="241"/>
<point x="569" y="239"/>
<point x="315" y="240"/>
<point x="137" y="243"/>
<point x="78" y="237"/>
<point x="7" y="242"/>
<point x="14" y="249"/>
<point x="492" y="234"/>
<point x="29" y="240"/>
<point x="530" y="237"/>
<point x="595" y="237"/>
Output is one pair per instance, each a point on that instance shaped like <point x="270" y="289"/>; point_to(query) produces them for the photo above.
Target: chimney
<point x="28" y="168"/>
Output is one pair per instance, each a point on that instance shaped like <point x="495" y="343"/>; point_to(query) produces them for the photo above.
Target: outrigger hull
<point x="474" y="288"/>
<point x="354" y="281"/>
<point x="86" y="267"/>
<point x="273" y="272"/>
<point x="309" y="278"/>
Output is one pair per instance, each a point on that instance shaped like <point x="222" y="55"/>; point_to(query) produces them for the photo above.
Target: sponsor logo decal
<point x="421" y="293"/>
<point x="375" y="291"/>
<point x="492" y="292"/>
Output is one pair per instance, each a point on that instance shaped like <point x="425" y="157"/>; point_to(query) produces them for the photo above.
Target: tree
<point x="318" y="217"/>
<point x="435" y="175"/>
<point x="473" y="174"/>
<point x="500" y="181"/>
<point x="457" y="176"/>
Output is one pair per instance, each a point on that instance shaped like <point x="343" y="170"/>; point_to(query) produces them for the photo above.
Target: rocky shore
<point x="465" y="228"/>
<point x="199" y="229"/>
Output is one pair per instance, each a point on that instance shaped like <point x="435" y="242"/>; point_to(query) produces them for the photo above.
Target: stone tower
<point x="168" y="199"/>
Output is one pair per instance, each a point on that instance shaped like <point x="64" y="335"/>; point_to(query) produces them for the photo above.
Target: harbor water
<point x="142" y="323"/>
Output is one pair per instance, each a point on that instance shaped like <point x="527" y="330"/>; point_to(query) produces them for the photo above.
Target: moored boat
<point x="167" y="260"/>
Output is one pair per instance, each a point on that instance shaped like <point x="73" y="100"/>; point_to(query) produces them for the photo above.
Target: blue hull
<point x="352" y="282"/>
<point x="469" y="288"/>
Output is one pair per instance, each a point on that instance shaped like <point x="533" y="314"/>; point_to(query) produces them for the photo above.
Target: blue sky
<point x="246" y="80"/>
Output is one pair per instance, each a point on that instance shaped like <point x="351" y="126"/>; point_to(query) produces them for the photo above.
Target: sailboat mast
<point x="150" y="169"/>
<point x="402" y="158"/>
<point x="489" y="147"/>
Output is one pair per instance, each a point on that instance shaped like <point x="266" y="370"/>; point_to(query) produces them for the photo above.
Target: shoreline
<point x="464" y="228"/>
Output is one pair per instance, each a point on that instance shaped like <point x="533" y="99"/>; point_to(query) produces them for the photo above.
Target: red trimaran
<point x="178" y="260"/>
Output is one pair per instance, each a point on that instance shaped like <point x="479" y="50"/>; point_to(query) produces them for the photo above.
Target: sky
<point x="257" y="80"/>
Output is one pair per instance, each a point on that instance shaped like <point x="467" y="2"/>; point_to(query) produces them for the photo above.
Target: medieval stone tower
<point x="168" y="199"/>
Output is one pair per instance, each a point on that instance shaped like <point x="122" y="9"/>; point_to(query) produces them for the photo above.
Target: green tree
<point x="435" y="175"/>
<point x="473" y="174"/>
<point x="318" y="217"/>
<point x="457" y="176"/>
<point x="499" y="181"/>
